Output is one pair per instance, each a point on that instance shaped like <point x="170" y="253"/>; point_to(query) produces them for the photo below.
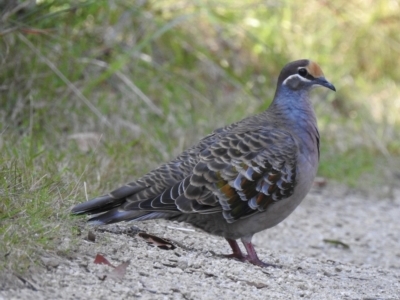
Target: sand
<point x="339" y="244"/>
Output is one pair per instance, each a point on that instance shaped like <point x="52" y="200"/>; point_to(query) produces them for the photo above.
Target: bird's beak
<point x="322" y="81"/>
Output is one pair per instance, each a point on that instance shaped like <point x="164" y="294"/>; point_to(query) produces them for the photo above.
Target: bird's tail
<point x="110" y="208"/>
<point x="106" y="202"/>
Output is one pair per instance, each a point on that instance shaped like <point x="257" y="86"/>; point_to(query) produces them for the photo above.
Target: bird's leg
<point x="252" y="255"/>
<point x="237" y="253"/>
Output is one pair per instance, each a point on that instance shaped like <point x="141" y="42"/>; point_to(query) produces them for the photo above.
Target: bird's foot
<point x="253" y="261"/>
<point x="256" y="261"/>
<point x="251" y="257"/>
<point x="238" y="256"/>
<point x="237" y="253"/>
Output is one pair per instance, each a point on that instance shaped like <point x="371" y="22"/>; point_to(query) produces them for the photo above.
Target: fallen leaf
<point x="101" y="260"/>
<point x="119" y="271"/>
<point x="157" y="241"/>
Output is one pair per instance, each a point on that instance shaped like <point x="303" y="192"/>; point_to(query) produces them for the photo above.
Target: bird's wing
<point x="156" y="181"/>
<point x="239" y="174"/>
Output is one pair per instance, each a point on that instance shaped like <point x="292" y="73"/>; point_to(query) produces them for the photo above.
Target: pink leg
<point x="237" y="253"/>
<point x="252" y="255"/>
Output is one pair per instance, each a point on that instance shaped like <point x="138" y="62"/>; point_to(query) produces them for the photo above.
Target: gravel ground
<point x="337" y="245"/>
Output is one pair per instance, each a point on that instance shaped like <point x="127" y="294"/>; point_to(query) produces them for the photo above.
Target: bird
<point x="240" y="179"/>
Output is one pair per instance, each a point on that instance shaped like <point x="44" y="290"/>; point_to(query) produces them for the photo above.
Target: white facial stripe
<point x="298" y="76"/>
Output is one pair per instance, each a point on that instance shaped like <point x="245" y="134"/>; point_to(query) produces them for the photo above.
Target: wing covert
<point x="247" y="172"/>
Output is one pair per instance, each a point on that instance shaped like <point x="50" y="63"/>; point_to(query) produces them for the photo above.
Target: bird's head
<point x="303" y="75"/>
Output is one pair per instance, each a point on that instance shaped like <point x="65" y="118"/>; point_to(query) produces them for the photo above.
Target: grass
<point x="95" y="94"/>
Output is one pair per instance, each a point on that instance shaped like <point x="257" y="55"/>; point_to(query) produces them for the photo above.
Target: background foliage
<point x="94" y="93"/>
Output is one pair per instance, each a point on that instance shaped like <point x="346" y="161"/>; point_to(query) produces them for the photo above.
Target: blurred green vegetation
<point x="95" y="93"/>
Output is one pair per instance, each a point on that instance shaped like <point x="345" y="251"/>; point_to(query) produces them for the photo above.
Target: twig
<point x="29" y="284"/>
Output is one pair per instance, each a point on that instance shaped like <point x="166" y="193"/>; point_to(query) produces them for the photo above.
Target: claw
<point x="251" y="256"/>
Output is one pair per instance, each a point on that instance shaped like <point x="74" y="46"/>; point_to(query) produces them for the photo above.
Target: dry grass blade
<point x="129" y="83"/>
<point x="68" y="83"/>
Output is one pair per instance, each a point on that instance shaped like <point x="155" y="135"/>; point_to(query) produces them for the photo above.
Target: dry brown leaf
<point x="101" y="260"/>
<point x="157" y="241"/>
<point x="117" y="273"/>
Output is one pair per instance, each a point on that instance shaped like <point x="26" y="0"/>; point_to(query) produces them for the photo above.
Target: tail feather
<point x="107" y="202"/>
<point x="97" y="205"/>
<point x="116" y="215"/>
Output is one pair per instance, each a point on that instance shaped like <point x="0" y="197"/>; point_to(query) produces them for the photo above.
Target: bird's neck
<point x="295" y="109"/>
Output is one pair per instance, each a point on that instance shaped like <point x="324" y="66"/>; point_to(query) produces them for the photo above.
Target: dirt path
<point x="312" y="266"/>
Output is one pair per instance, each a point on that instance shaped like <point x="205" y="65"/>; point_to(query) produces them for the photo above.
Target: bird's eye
<point x="303" y="72"/>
